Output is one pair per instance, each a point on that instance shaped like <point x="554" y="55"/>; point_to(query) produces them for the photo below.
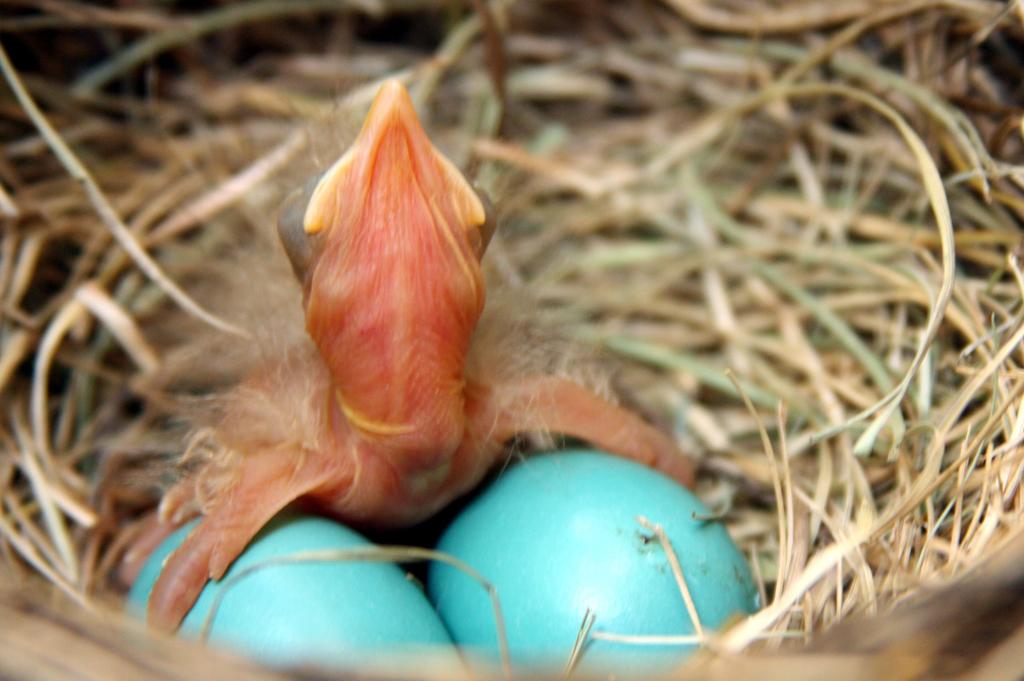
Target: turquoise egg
<point x="335" y="614"/>
<point x="558" y="537"/>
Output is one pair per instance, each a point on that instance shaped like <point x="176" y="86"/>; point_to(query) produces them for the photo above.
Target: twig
<point x="41" y="488"/>
<point x="677" y="572"/>
<point x="103" y="208"/>
<point x="209" y="22"/>
<point x="231" y="190"/>
<point x="370" y="554"/>
<point x="580" y="643"/>
<point x="120" y="324"/>
<point x="799" y="17"/>
<point x="81" y="13"/>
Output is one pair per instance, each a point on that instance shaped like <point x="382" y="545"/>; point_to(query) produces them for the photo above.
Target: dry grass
<point x="798" y="227"/>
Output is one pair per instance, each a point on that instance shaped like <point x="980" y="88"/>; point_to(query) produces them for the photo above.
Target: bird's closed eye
<point x="490" y="221"/>
<point x="298" y="245"/>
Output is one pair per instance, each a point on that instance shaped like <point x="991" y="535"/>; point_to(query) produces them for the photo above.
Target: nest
<point x="796" y="227"/>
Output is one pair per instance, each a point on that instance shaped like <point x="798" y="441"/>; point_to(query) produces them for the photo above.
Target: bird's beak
<point x="393" y="158"/>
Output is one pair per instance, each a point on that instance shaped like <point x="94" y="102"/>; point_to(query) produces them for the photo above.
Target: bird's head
<point x="387" y="243"/>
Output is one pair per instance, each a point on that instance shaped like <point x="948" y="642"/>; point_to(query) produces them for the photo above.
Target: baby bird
<point x="380" y="422"/>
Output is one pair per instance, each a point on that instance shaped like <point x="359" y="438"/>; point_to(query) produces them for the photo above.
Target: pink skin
<point x="393" y="428"/>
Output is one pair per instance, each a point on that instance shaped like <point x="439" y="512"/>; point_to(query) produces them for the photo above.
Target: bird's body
<point x="379" y="421"/>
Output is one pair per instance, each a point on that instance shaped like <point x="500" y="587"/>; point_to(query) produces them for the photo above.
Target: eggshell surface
<point x="557" y="535"/>
<point x="335" y="614"/>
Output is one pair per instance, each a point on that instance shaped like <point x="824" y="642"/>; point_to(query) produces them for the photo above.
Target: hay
<point x="798" y="228"/>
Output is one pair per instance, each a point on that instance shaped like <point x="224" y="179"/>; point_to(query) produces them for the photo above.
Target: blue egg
<point x="336" y="614"/>
<point x="557" y="536"/>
